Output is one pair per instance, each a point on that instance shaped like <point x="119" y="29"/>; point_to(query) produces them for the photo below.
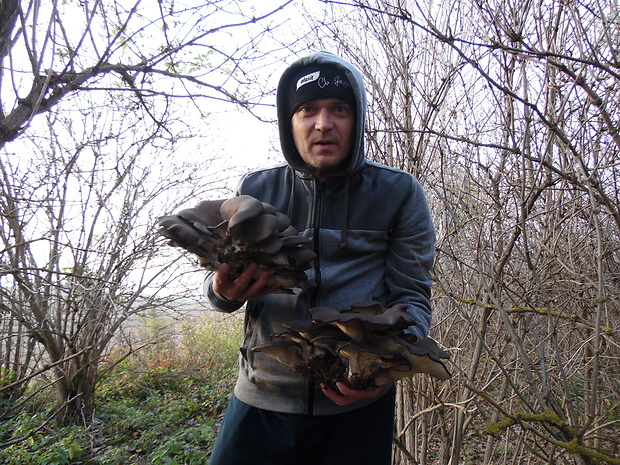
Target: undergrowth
<point x="161" y="406"/>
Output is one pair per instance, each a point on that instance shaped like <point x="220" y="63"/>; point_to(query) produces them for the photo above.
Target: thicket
<point x="507" y="111"/>
<point x="160" y="404"/>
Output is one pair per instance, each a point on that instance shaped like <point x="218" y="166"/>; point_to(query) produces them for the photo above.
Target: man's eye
<point x="342" y="109"/>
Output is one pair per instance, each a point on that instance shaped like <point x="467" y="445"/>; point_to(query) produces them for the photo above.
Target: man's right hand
<point x="245" y="287"/>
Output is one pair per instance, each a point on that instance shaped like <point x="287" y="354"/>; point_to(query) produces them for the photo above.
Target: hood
<point x="289" y="149"/>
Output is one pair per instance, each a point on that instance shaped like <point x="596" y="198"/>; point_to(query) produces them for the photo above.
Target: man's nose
<point x="324" y="121"/>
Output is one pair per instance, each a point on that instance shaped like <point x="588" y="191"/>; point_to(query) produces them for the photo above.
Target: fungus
<point x="240" y="231"/>
<point x="364" y="345"/>
<point x="364" y="319"/>
<point x="362" y="362"/>
<point x="240" y="209"/>
<point x="424" y="356"/>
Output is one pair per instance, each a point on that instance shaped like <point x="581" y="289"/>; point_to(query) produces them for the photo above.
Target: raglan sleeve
<point x="410" y="259"/>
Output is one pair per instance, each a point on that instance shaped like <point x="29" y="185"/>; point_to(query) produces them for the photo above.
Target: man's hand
<point x="347" y="395"/>
<point x="244" y="287"/>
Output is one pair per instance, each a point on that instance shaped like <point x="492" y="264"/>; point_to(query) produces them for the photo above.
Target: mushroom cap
<point x="270" y="209"/>
<point x="286" y="351"/>
<point x="417" y="364"/>
<point x="359" y="325"/>
<point x="289" y="231"/>
<point x="267" y="246"/>
<point x="180" y="234"/>
<point x="299" y="257"/>
<point x="287" y="283"/>
<point x="313" y="332"/>
<point x="424" y="356"/>
<point x="427" y="346"/>
<point x="364" y="360"/>
<point x="253" y="230"/>
<point x="284" y="222"/>
<point x="206" y="212"/>
<point x="294" y="240"/>
<point x="239" y="209"/>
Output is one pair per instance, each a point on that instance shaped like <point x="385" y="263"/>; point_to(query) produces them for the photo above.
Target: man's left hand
<point x="347" y="395"/>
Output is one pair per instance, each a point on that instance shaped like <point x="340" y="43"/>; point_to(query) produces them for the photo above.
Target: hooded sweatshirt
<point x="372" y="232"/>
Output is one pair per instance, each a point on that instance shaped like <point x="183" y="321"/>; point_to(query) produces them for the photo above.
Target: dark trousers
<point x="251" y="436"/>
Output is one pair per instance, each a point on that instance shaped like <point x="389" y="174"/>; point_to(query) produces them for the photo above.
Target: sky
<point x="241" y="137"/>
<point x="242" y="141"/>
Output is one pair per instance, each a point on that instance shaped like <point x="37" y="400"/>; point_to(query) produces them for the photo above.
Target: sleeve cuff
<point x="219" y="302"/>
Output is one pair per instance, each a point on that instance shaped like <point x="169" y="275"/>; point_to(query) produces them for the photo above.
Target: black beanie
<point x="313" y="82"/>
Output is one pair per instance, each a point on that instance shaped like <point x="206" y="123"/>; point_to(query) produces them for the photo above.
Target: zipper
<point x="318" y="213"/>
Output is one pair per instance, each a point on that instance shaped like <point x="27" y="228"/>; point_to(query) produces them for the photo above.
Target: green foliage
<point x="175" y="427"/>
<point x="48" y="446"/>
<point x="7" y="376"/>
<point x="161" y="405"/>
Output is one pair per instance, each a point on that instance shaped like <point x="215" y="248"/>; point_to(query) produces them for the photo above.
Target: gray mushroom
<point x="240" y="209"/>
<point x="240" y="231"/>
<point x="362" y="320"/>
<point x="364" y="345"/>
<point x="317" y="362"/>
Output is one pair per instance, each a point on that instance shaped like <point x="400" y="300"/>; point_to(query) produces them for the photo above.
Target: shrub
<point x="159" y="405"/>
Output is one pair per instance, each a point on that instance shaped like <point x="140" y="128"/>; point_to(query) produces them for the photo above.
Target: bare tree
<point x="80" y="252"/>
<point x="51" y="50"/>
<point x="99" y="101"/>
<point x="508" y="112"/>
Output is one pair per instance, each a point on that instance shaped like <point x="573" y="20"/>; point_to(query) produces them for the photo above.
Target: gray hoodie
<point x="371" y="229"/>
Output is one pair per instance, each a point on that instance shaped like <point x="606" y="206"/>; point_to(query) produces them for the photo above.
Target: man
<point x="373" y="235"/>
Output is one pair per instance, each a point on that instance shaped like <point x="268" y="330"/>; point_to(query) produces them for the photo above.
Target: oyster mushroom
<point x="364" y="345"/>
<point x="240" y="231"/>
<point x="311" y="361"/>
<point x="360" y="324"/>
<point x="206" y="212"/>
<point x="253" y="231"/>
<point x="424" y="356"/>
<point x="240" y="209"/>
<point x="287" y="349"/>
<point x="361" y="363"/>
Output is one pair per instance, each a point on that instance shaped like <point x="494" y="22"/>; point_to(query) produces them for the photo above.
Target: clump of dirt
<point x="328" y="369"/>
<point x="325" y="369"/>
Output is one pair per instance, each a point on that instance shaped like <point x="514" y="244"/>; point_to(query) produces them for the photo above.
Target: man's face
<point x="323" y="133"/>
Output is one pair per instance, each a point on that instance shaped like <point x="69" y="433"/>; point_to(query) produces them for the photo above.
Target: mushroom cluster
<point x="240" y="231"/>
<point x="365" y="346"/>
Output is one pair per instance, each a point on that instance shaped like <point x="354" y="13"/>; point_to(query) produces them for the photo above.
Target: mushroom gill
<point x="240" y="231"/>
<point x="364" y="345"/>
